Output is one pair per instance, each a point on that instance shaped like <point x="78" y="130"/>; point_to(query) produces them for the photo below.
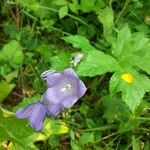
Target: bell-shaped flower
<point x="64" y="89"/>
<point x="35" y="113"/>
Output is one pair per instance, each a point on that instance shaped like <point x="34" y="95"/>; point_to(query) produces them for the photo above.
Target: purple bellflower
<point x="35" y="113"/>
<point x="64" y="89"/>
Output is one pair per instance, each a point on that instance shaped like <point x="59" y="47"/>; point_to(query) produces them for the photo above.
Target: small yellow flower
<point x="127" y="77"/>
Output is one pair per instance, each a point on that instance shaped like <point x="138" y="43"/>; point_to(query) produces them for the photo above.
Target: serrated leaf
<point x="132" y="93"/>
<point x="132" y="50"/>
<point x="113" y="84"/>
<point x="5" y="89"/>
<point x="79" y="42"/>
<point x="61" y="60"/>
<point x="97" y="63"/>
<point x="123" y="36"/>
<point x="87" y="5"/>
<point x="144" y="64"/>
<point x="120" y="110"/>
<point x="106" y="17"/>
<point x="12" y="52"/>
<point x="63" y="11"/>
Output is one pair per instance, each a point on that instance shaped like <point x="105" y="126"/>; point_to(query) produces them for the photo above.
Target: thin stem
<point x="69" y="15"/>
<point x="102" y="128"/>
<point x="122" y="11"/>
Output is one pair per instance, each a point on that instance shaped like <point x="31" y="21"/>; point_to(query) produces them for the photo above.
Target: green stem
<point x="101" y="128"/>
<point x="69" y="15"/>
<point x="122" y="11"/>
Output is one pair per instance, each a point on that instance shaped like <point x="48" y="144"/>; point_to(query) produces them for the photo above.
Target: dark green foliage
<point x="113" y="37"/>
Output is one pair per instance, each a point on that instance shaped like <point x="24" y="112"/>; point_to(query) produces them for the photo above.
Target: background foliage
<point x="114" y="38"/>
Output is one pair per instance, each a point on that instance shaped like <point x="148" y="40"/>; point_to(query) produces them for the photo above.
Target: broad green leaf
<point x="106" y="17"/>
<point x="55" y="127"/>
<point x="86" y="138"/>
<point x="87" y="5"/>
<point x="123" y="36"/>
<point x="132" y="50"/>
<point x="120" y="110"/>
<point x="97" y="63"/>
<point x="14" y="129"/>
<point x="113" y="84"/>
<point x="63" y="11"/>
<point x="144" y="64"/>
<point x="12" y="53"/>
<point x="79" y="42"/>
<point x="74" y="6"/>
<point x="132" y="93"/>
<point x="61" y="60"/>
<point x="5" y="89"/>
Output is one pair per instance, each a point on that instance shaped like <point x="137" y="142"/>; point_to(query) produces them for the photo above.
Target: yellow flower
<point x="127" y="77"/>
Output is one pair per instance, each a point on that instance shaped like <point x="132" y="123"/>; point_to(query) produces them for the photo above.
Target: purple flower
<point x="35" y="113"/>
<point x="64" y="89"/>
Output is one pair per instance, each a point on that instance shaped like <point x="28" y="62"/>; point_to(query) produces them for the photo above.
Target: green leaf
<point x="61" y="60"/>
<point x="97" y="63"/>
<point x="144" y="64"/>
<point x="120" y="110"/>
<point x="12" y="52"/>
<point x="123" y="36"/>
<point x="87" y="5"/>
<point x="14" y="129"/>
<point x="132" y="93"/>
<point x="74" y="6"/>
<point x="131" y="124"/>
<point x="106" y="17"/>
<point x="132" y="50"/>
<point x="63" y="11"/>
<point x="59" y="2"/>
<point x="75" y="145"/>
<point x="5" y="89"/>
<point x="135" y="144"/>
<point x="55" y="127"/>
<point x="86" y="138"/>
<point x="11" y="76"/>
<point x="79" y="42"/>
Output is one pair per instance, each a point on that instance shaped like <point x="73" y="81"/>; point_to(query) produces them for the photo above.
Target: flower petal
<point x="37" y="116"/>
<point x="24" y="112"/>
<point x="53" y="79"/>
<point x="81" y="89"/>
<point x="69" y="73"/>
<point x="53" y="110"/>
<point x="52" y="96"/>
<point x="68" y="102"/>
